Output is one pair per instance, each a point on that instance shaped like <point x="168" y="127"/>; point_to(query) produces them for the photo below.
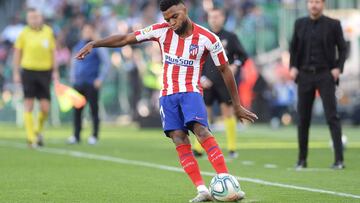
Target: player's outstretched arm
<point x="240" y="112"/>
<point x="111" y="41"/>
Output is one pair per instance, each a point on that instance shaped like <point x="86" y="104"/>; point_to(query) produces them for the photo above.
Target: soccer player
<point x="35" y="53"/>
<point x="214" y="85"/>
<point x="184" y="47"/>
<point x="87" y="77"/>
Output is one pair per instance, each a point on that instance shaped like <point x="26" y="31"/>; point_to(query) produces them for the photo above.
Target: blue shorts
<point x="178" y="111"/>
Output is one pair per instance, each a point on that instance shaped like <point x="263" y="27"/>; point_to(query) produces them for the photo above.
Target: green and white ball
<point x="225" y="187"/>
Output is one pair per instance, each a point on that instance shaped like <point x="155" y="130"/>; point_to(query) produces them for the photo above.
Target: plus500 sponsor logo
<point x="178" y="61"/>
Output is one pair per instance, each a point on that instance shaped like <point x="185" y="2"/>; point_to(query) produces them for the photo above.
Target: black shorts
<point x="36" y="84"/>
<point x="217" y="93"/>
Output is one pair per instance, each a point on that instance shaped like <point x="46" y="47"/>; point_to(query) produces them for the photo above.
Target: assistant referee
<point x="33" y="65"/>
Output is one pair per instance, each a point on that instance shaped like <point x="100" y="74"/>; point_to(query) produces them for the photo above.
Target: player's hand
<point x="293" y="73"/>
<point x="16" y="78"/>
<point x="97" y="83"/>
<point x="84" y="51"/>
<point x="336" y="73"/>
<point x="241" y="113"/>
<point x="206" y="83"/>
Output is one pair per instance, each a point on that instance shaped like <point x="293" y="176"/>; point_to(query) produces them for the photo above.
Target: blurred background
<point x="130" y="93"/>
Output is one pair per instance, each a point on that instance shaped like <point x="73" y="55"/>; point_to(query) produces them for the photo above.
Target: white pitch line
<point x="247" y="163"/>
<point x="85" y="155"/>
<point x="270" y="166"/>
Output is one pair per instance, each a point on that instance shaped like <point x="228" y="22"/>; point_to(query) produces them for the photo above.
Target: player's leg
<point x="195" y="115"/>
<point x="189" y="164"/>
<point x="211" y="147"/>
<point x="93" y="98"/>
<point x="173" y="125"/>
<point x="215" y="155"/>
<point x="306" y="96"/>
<point x="186" y="157"/>
<point x="209" y="99"/>
<point x="227" y="112"/>
<point x="198" y="149"/>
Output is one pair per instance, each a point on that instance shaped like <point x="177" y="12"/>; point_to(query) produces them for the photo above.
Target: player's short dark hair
<point x="166" y="4"/>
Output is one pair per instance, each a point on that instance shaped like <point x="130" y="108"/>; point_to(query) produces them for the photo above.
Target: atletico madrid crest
<point x="194" y="49"/>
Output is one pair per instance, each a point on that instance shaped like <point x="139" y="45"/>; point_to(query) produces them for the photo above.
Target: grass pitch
<point x="132" y="165"/>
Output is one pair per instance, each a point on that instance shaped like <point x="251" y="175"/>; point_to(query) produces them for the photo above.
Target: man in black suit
<point x="314" y="65"/>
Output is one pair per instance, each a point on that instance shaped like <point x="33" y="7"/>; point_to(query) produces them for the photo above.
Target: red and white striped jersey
<point x="183" y="58"/>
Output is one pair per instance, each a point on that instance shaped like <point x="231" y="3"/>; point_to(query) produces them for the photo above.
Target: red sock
<point x="215" y="155"/>
<point x="189" y="164"/>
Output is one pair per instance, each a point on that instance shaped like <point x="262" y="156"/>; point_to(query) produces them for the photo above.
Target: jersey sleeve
<point x="151" y="33"/>
<point x="19" y="43"/>
<point x="217" y="52"/>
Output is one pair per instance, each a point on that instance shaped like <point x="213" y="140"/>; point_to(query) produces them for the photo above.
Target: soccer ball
<point x="224" y="187"/>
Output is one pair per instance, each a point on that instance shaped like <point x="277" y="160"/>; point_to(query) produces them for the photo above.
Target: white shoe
<point x="92" y="140"/>
<point x="203" y="196"/>
<point x="72" y="140"/>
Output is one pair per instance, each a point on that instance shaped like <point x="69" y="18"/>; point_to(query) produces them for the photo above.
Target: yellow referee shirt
<point x="36" y="48"/>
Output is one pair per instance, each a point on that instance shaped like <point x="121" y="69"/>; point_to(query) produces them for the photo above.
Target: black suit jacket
<point x="333" y="40"/>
